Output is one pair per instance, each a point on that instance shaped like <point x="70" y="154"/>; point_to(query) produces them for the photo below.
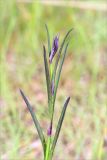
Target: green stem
<point x="51" y="98"/>
<point x="51" y="71"/>
<point x="48" y="147"/>
<point x="47" y="156"/>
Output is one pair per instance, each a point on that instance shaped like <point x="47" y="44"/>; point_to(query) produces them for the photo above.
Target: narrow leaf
<point x="48" y="36"/>
<point x="58" y="76"/>
<point x="39" y="129"/>
<point x="59" y="126"/>
<point x="59" y="53"/>
<point x="59" y="71"/>
<point x="47" y="74"/>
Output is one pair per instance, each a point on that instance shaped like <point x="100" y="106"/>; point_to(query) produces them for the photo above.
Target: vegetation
<point x="84" y="79"/>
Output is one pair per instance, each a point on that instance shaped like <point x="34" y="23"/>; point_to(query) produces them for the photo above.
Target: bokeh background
<point x="84" y="78"/>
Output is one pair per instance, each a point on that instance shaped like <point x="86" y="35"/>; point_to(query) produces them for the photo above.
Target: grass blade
<point x="48" y="36"/>
<point x="59" y="53"/>
<point x="40" y="133"/>
<point x="59" y="126"/>
<point x="47" y="74"/>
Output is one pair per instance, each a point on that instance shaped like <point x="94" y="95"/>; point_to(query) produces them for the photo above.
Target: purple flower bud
<point x="49" y="132"/>
<point x="54" y="48"/>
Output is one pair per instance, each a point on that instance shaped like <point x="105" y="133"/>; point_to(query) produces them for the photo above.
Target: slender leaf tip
<point x="21" y="91"/>
<point x="68" y="99"/>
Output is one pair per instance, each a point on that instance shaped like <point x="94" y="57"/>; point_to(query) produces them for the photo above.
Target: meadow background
<point x="84" y="79"/>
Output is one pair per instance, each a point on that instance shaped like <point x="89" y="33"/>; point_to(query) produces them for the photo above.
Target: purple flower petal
<point x="54" y="48"/>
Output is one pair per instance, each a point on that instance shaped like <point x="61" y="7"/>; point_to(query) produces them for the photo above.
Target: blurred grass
<point x="22" y="34"/>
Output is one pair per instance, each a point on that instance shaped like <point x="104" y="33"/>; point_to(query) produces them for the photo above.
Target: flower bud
<point x="49" y="132"/>
<point x="54" y="48"/>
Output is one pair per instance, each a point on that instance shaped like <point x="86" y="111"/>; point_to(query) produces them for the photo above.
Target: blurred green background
<point x="84" y="78"/>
